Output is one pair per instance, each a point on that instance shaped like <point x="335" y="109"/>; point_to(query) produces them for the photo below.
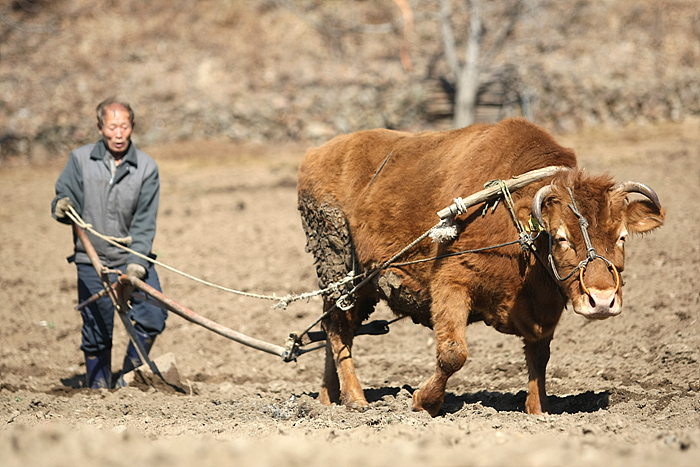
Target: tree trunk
<point x="468" y="79"/>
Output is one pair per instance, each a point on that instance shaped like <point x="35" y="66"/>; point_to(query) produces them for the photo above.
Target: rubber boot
<point x="132" y="359"/>
<point x="98" y="368"/>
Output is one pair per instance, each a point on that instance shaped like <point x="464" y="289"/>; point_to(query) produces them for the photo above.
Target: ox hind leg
<point x="450" y="325"/>
<point x="329" y="239"/>
<point x="340" y="381"/>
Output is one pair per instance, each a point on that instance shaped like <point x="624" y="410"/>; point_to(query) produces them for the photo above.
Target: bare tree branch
<point x="339" y="31"/>
<point x="28" y="6"/>
<point x="49" y="28"/>
<point x="448" y="38"/>
<point x="407" y="31"/>
<point x="512" y="16"/>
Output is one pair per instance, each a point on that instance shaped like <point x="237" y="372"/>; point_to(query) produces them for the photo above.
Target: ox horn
<point x="540" y="196"/>
<point x="638" y="187"/>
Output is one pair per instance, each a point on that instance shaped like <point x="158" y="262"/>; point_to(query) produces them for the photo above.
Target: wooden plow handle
<point x="193" y="317"/>
<point x="116" y="295"/>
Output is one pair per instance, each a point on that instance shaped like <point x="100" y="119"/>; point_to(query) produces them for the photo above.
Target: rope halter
<point x="591" y="253"/>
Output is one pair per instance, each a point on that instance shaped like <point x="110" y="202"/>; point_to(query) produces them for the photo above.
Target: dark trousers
<point x="98" y="317"/>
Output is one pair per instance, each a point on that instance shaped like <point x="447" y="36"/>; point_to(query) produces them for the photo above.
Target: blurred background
<point x="306" y="70"/>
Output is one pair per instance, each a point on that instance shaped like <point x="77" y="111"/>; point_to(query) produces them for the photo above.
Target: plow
<point x="298" y="342"/>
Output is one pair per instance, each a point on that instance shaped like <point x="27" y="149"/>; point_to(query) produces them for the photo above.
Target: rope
<point x="464" y="252"/>
<point x="437" y="232"/>
<point x="344" y="302"/>
<point x="591" y="253"/>
<point x="283" y="302"/>
<point x="443" y="230"/>
<point x="510" y="204"/>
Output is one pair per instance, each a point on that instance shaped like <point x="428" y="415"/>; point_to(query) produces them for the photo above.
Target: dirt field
<point x="625" y="391"/>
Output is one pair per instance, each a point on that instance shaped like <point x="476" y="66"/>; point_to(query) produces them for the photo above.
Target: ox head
<point x="588" y="220"/>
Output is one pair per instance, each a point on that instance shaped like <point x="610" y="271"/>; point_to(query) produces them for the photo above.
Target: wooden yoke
<point x="489" y="194"/>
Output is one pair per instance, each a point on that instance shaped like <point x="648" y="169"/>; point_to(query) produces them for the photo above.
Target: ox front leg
<point x="537" y="357"/>
<point x="340" y="382"/>
<point x="450" y="325"/>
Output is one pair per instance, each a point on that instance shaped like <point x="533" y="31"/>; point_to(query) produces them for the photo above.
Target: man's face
<point x="117" y="129"/>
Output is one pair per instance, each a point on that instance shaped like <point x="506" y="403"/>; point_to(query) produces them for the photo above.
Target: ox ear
<point x="644" y="216"/>
<point x="523" y="211"/>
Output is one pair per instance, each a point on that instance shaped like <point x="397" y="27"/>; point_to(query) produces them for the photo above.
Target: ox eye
<point x="562" y="240"/>
<point x="622" y="239"/>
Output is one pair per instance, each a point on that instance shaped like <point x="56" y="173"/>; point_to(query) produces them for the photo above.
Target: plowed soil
<point x="625" y="391"/>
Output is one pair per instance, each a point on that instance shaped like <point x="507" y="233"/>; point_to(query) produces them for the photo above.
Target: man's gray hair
<point x="106" y="103"/>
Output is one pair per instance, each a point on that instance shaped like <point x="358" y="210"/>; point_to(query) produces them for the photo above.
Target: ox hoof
<point x="536" y="408"/>
<point x="359" y="406"/>
<point x="419" y="405"/>
<point x="325" y="399"/>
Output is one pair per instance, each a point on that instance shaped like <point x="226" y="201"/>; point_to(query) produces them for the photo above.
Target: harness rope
<point x="345" y="302"/>
<point x="443" y="230"/>
<point x="509" y="202"/>
<point x="283" y="302"/>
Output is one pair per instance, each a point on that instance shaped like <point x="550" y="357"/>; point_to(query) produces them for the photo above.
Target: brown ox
<point x="365" y="196"/>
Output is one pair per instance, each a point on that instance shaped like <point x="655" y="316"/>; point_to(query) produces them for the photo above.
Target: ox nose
<point x="601" y="300"/>
<point x="602" y="303"/>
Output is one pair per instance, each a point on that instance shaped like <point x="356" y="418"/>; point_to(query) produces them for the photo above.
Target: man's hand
<point x="136" y="270"/>
<point x="132" y="270"/>
<point x="63" y="205"/>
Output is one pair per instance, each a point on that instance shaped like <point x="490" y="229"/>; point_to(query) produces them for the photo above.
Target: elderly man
<point x="115" y="187"/>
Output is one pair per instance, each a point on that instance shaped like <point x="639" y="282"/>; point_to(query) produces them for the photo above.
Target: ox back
<point x="363" y="197"/>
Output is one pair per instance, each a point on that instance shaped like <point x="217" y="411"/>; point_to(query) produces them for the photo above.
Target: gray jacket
<point x="124" y="206"/>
